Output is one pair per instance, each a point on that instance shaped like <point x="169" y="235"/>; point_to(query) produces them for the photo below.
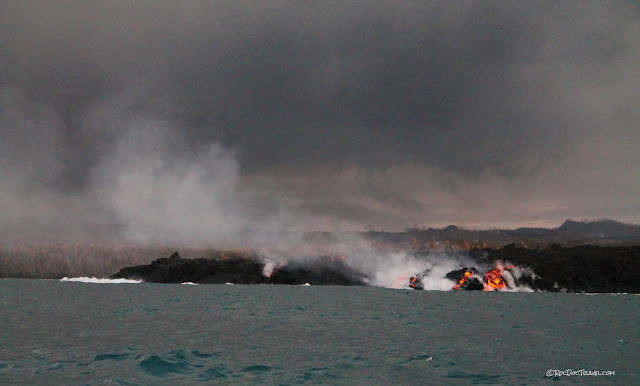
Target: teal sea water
<point x="68" y="332"/>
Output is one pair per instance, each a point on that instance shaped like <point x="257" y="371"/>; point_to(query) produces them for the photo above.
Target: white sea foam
<point x="96" y="280"/>
<point x="189" y="283"/>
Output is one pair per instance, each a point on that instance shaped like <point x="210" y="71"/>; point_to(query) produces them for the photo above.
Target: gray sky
<point x="316" y="115"/>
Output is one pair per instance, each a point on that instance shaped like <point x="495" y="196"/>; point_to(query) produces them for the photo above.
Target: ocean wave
<point x="96" y="280"/>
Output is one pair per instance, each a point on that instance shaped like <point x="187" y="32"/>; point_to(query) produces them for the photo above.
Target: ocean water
<point x="58" y="332"/>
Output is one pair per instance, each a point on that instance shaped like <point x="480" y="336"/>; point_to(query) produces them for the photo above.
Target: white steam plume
<point x="162" y="192"/>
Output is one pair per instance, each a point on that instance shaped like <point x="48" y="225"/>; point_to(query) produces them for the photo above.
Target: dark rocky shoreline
<point x="575" y="269"/>
<point x="242" y="270"/>
<point x="584" y="268"/>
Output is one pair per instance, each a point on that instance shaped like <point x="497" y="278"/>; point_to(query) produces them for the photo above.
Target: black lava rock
<point x="174" y="269"/>
<point x="585" y="268"/>
<point x="416" y="283"/>
<point x="242" y="270"/>
<point x="470" y="284"/>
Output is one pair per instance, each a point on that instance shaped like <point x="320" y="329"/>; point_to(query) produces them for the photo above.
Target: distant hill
<point x="600" y="229"/>
<point x="604" y="232"/>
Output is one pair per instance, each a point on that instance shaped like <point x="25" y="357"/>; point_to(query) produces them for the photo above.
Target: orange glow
<point x="413" y="280"/>
<point x="494" y="280"/>
<point x="464" y="278"/>
<point x="337" y="257"/>
<point x="398" y="283"/>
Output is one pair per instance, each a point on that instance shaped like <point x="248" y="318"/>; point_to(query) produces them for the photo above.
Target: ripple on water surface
<point x="74" y="332"/>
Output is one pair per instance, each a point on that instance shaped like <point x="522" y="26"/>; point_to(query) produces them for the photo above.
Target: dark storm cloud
<point x="464" y="90"/>
<point x="462" y="86"/>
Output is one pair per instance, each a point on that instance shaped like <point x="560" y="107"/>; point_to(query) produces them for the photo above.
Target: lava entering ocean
<point x="333" y="270"/>
<point x="467" y="275"/>
<point x="415" y="283"/>
<point x="494" y="280"/>
<point x="469" y="279"/>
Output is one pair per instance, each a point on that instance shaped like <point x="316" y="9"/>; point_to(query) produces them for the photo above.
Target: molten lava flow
<point x="399" y="281"/>
<point x="415" y="283"/>
<point x="494" y="280"/>
<point x="467" y="275"/>
<point x="337" y="257"/>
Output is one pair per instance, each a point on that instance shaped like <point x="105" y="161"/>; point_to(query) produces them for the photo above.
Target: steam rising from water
<point x="156" y="187"/>
<point x="394" y="270"/>
<point x="147" y="183"/>
<point x="403" y="266"/>
<point x="161" y="192"/>
<point x="159" y="188"/>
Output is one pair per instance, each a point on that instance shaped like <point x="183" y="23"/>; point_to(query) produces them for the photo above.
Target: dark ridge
<point x="604" y="232"/>
<point x="600" y="229"/>
<point x="585" y="268"/>
<point x="242" y="270"/>
<point x="174" y="269"/>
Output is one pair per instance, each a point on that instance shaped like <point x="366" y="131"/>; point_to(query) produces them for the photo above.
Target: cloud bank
<point x="204" y="121"/>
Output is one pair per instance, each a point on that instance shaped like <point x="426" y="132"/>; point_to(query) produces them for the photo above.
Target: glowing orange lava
<point x="398" y="283"/>
<point x="413" y="280"/>
<point x="464" y="278"/>
<point x="494" y="280"/>
<point x="337" y="257"/>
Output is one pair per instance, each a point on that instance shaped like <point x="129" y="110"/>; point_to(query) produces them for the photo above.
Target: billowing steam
<point x="331" y="270"/>
<point x="396" y="269"/>
<point x="240" y="121"/>
<point x="162" y="192"/>
<point x="156" y="187"/>
<point x="444" y="272"/>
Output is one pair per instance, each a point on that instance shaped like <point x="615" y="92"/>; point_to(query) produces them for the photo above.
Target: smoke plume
<point x="229" y="121"/>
